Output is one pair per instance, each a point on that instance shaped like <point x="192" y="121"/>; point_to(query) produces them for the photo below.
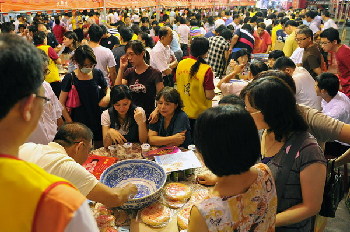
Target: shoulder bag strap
<point x="287" y="164"/>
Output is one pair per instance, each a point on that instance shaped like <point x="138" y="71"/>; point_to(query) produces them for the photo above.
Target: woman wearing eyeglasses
<point x="273" y="107"/>
<point x="91" y="87"/>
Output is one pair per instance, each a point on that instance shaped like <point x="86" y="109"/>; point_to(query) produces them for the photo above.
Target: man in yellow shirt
<point x="277" y="26"/>
<point x="290" y="43"/>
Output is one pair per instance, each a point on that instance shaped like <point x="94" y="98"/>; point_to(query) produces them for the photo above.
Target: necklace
<point x="265" y="150"/>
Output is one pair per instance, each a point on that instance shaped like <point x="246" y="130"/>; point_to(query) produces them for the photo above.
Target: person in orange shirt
<point x="49" y="203"/>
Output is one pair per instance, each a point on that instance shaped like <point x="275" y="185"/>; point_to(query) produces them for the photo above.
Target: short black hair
<point x="125" y="34"/>
<point x="284" y="62"/>
<point x="327" y="14"/>
<point x="70" y="133"/>
<point x="307" y="32"/>
<point x="163" y="31"/>
<point x="240" y="53"/>
<point x="248" y="27"/>
<point x="95" y="33"/>
<point x="231" y="99"/>
<point x="275" y="54"/>
<point x="262" y="25"/>
<point x="257" y="67"/>
<point x="227" y="34"/>
<point x="239" y="149"/>
<point x="170" y="95"/>
<point x="7" y="27"/>
<point x="21" y="69"/>
<point x="82" y="53"/>
<point x="220" y="28"/>
<point x="331" y="34"/>
<point x="276" y="101"/>
<point x="310" y="14"/>
<point x="280" y="74"/>
<point x="104" y="29"/>
<point x="292" y="23"/>
<point x="39" y="38"/>
<point x="329" y="82"/>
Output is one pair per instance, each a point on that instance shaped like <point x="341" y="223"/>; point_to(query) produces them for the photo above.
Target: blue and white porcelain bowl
<point x="147" y="175"/>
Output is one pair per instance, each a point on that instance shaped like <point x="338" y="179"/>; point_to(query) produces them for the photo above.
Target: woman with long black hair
<point x="194" y="78"/>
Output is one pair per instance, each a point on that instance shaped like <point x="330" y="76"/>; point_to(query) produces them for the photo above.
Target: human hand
<point x="127" y="192"/>
<point x="116" y="136"/>
<point x="124" y="61"/>
<point x="237" y="68"/>
<point x="139" y="115"/>
<point x="207" y="178"/>
<point x="154" y="116"/>
<point x="179" y="138"/>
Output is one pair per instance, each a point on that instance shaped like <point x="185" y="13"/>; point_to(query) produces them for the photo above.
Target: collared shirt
<point x="305" y="91"/>
<point x="297" y="56"/>
<point x="290" y="45"/>
<point x="161" y="56"/>
<point x="184" y="31"/>
<point x="47" y="126"/>
<point x="329" y="23"/>
<point x="175" y="45"/>
<point x="338" y="107"/>
<point x="216" y="54"/>
<point x="54" y="159"/>
<point x="314" y="26"/>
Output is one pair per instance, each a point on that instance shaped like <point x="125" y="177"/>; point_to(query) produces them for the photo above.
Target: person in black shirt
<point x="108" y="40"/>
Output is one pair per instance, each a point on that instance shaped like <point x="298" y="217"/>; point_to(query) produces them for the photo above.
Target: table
<point x="131" y="221"/>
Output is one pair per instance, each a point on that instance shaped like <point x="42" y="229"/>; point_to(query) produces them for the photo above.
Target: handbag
<point x="333" y="192"/>
<point x="73" y="100"/>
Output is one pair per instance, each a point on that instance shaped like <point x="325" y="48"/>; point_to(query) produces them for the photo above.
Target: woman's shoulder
<point x="181" y="115"/>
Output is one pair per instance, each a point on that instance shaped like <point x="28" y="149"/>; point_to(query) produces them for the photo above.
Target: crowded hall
<point x="189" y="115"/>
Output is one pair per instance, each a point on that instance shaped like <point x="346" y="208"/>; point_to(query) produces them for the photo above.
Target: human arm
<point x="112" y="136"/>
<point x="111" y="197"/>
<point x="63" y="98"/>
<point x="112" y="73"/>
<point x="139" y="116"/>
<point x="154" y="116"/>
<point x="173" y="140"/>
<point x="159" y="86"/>
<point x="207" y="178"/>
<point x="268" y="48"/>
<point x="234" y="40"/>
<point x="106" y="99"/>
<point x="343" y="159"/>
<point x="196" y="221"/>
<point x="312" y="180"/>
<point x="53" y="55"/>
<point x="237" y="69"/>
<point x="123" y="65"/>
<point x="344" y="135"/>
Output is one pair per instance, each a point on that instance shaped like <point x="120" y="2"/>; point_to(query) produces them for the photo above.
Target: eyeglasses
<point x="324" y="43"/>
<point x="301" y="39"/>
<point x="43" y="97"/>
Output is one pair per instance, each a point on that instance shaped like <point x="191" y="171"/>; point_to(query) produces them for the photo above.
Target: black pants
<point x="168" y="80"/>
<point x="184" y="48"/>
<point x="56" y="87"/>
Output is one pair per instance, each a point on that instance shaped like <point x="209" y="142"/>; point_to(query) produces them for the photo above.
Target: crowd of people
<point x="74" y="82"/>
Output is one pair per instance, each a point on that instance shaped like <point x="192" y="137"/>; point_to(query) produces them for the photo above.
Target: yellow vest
<point x="191" y="89"/>
<point x="21" y="186"/>
<point x="53" y="76"/>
